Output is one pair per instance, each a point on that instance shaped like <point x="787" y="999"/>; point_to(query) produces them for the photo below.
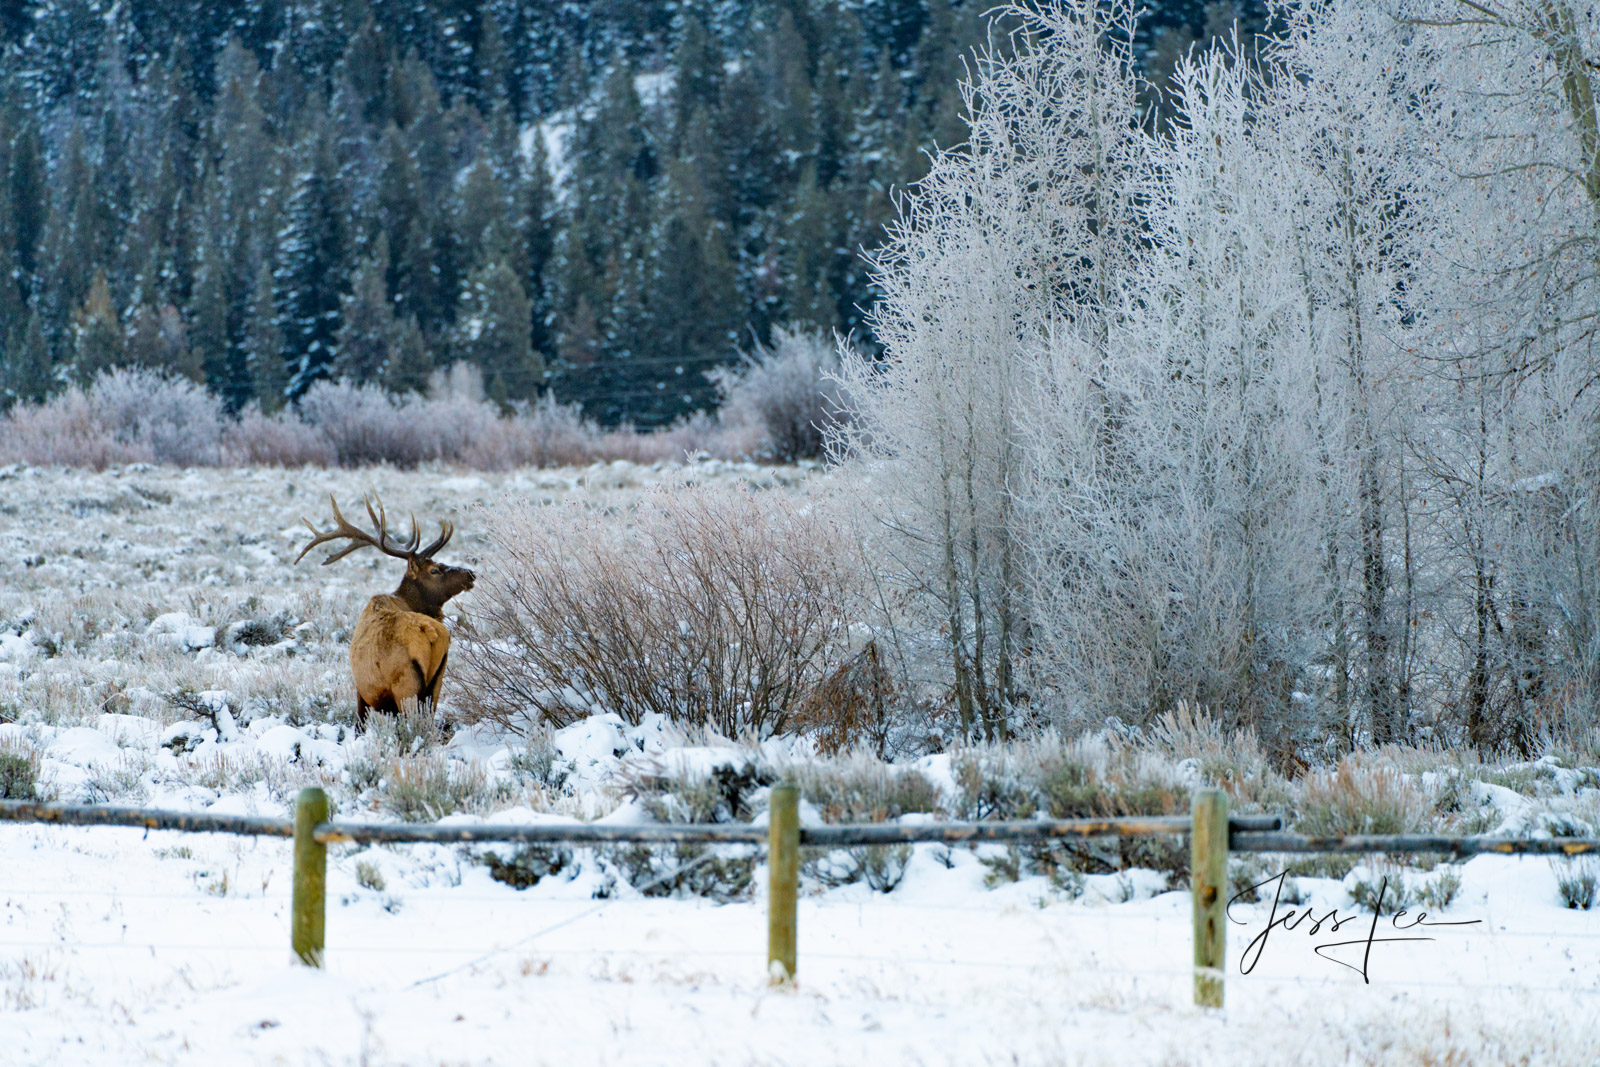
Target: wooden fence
<point x="1212" y="833"/>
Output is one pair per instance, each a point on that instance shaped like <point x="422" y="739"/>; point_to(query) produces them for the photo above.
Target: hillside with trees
<point x="600" y="201"/>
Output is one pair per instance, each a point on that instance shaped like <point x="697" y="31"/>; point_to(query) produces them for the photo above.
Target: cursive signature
<point x="1291" y="919"/>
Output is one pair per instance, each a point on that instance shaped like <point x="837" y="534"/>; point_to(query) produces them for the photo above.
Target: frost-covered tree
<point x="1025" y="231"/>
<point x="1341" y="122"/>
<point x="1513" y="455"/>
<point x="1170" y="497"/>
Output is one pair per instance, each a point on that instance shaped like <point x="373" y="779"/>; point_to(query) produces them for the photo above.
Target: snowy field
<point x="119" y="949"/>
<point x="157" y="648"/>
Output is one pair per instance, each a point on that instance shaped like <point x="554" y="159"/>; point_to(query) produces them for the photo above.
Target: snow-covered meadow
<point x="157" y="647"/>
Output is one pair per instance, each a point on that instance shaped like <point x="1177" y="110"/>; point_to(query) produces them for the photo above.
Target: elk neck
<point x="418" y="599"/>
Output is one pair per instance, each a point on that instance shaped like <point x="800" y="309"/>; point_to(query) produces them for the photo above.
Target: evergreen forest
<point x="595" y="201"/>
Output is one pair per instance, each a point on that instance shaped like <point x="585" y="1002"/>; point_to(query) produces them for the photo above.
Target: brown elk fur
<point x="400" y="645"/>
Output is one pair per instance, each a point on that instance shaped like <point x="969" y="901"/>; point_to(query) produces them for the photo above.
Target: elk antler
<point x="359" y="538"/>
<point x="446" y="531"/>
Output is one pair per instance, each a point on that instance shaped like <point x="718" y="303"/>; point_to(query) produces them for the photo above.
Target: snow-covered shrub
<point x="171" y="419"/>
<point x="1459" y="809"/>
<point x="713" y="606"/>
<point x="60" y="432"/>
<point x="528" y="865"/>
<point x="1090" y="777"/>
<point x="678" y="794"/>
<point x="683" y="794"/>
<point x="882" y="867"/>
<point x="539" y="760"/>
<point x="549" y="434"/>
<point x="19" y="772"/>
<point x="718" y="872"/>
<point x="860" y="788"/>
<point x="787" y="391"/>
<point x="699" y="435"/>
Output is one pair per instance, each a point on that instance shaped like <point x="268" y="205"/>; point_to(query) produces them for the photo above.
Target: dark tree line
<point x="599" y="199"/>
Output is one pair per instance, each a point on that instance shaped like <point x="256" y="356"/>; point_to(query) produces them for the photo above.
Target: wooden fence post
<point x="308" y="908"/>
<point x="783" y="887"/>
<point x="1208" y="866"/>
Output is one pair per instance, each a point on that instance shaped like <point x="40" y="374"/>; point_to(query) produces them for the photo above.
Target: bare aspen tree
<point x="1024" y="230"/>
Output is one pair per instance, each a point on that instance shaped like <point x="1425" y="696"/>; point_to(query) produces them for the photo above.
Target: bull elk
<point x="400" y="644"/>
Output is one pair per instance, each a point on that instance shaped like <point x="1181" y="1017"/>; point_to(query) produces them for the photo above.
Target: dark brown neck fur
<point x="417" y="598"/>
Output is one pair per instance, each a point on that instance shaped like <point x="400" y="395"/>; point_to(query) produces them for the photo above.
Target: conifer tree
<point x="96" y="334"/>
<point x="310" y="267"/>
<point x="493" y="332"/>
<point x="367" y="322"/>
<point x="26" y="373"/>
<point x="410" y="362"/>
<point x="262" y="343"/>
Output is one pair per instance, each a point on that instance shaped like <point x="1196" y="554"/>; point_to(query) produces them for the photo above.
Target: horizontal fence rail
<point x="843" y="834"/>
<point x="1457" y="846"/>
<point x="195" y="822"/>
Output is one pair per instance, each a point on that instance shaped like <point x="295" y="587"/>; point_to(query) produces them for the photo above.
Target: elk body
<point x="400" y="645"/>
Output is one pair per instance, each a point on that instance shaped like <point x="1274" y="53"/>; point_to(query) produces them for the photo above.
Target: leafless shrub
<point x="174" y="419"/>
<point x="716" y="607"/>
<point x="544" y="434"/>
<point x="141" y="416"/>
<point x="283" y="439"/>
<point x="62" y="432"/>
<point x="786" y="394"/>
<point x="124" y="416"/>
<point x="361" y="424"/>
<point x="851" y="706"/>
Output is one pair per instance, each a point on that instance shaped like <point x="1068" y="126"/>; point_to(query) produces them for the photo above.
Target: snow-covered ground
<point x="157" y="647"/>
<point x="121" y="948"/>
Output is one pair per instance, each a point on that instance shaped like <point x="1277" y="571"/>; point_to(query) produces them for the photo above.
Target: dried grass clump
<point x="1231" y="759"/>
<point x="1356" y="799"/>
<point x="428" y="787"/>
<point x="716" y="607"/>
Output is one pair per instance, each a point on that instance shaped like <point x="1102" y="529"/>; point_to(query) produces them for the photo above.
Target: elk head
<point x="427" y="584"/>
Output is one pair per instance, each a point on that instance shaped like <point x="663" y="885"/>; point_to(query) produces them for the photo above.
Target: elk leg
<point x="437" y="682"/>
